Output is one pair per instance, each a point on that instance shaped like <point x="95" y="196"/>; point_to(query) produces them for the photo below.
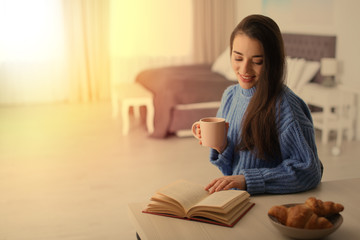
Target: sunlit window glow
<point x="30" y="30"/>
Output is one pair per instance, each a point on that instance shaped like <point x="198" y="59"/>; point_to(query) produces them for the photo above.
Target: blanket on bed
<point x="180" y="85"/>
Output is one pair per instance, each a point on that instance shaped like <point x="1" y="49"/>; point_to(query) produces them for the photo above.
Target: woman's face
<point x="247" y="60"/>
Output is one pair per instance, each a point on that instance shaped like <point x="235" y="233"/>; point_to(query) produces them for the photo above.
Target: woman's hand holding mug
<point x="211" y="132"/>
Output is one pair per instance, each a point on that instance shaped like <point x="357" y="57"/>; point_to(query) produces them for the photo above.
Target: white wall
<point x="335" y="17"/>
<point x="148" y="34"/>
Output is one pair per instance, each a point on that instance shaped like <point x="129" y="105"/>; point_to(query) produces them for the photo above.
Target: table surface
<point x="255" y="224"/>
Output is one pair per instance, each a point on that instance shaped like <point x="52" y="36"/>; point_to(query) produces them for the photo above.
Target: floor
<point x="67" y="173"/>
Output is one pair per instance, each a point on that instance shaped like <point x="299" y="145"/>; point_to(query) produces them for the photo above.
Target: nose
<point x="246" y="67"/>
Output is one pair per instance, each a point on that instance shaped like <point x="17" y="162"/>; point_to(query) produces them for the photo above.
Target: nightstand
<point x="337" y="110"/>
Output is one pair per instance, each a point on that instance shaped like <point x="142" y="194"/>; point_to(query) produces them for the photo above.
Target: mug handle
<point x="193" y="128"/>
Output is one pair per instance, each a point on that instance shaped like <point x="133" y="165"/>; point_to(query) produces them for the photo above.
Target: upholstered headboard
<point x="310" y="47"/>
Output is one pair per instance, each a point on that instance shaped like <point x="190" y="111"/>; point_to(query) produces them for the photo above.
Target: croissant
<point x="323" y="209"/>
<point x="299" y="216"/>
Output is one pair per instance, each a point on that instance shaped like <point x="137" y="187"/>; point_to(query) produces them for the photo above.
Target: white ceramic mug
<point x="213" y="131"/>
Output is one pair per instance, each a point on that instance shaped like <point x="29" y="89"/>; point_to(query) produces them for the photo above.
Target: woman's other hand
<point x="226" y="183"/>
<point x="198" y="132"/>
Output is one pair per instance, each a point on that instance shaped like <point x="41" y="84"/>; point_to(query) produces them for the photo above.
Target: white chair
<point x="337" y="110"/>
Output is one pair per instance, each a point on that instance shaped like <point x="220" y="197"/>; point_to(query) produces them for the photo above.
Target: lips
<point x="246" y="78"/>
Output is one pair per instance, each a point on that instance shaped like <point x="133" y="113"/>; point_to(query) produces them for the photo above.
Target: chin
<point x="246" y="85"/>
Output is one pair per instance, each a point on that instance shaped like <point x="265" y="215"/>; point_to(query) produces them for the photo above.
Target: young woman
<point x="270" y="145"/>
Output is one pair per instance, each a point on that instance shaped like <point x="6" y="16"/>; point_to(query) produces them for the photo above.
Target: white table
<point x="255" y="224"/>
<point x="132" y="95"/>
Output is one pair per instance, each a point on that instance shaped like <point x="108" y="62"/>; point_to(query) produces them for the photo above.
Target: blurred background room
<point x="81" y="135"/>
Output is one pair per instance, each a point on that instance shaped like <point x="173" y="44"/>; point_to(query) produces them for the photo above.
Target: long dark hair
<point x="259" y="131"/>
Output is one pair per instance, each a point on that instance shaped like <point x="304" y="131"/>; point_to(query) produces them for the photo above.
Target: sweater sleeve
<point x="224" y="160"/>
<point x="299" y="170"/>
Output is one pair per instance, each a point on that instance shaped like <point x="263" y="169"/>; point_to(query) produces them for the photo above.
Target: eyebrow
<point x="255" y="56"/>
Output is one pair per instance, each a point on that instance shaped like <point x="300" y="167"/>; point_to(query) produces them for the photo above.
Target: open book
<point x="187" y="200"/>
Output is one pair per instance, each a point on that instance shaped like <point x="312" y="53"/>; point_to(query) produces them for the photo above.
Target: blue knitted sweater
<point x="299" y="168"/>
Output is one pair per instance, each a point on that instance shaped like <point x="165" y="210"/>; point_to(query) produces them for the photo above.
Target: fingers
<point x="198" y="133"/>
<point x="226" y="183"/>
<point x="210" y="184"/>
<point x="218" y="185"/>
<point x="197" y="129"/>
<point x="221" y="186"/>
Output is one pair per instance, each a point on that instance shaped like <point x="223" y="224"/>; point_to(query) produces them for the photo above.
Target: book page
<point x="223" y="199"/>
<point x="186" y="193"/>
<point x="162" y="204"/>
<point x="164" y="207"/>
<point x="218" y="216"/>
<point x="227" y="219"/>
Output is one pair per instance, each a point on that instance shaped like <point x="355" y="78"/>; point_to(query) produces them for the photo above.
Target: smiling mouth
<point x="246" y="78"/>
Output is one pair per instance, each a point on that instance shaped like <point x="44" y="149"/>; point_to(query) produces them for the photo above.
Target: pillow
<point x="222" y="65"/>
<point x="295" y="66"/>
<point x="311" y="68"/>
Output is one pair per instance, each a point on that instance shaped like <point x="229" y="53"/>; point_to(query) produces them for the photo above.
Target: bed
<point x="184" y="94"/>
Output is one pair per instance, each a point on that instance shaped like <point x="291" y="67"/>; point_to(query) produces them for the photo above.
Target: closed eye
<point x="258" y="63"/>
<point x="258" y="60"/>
